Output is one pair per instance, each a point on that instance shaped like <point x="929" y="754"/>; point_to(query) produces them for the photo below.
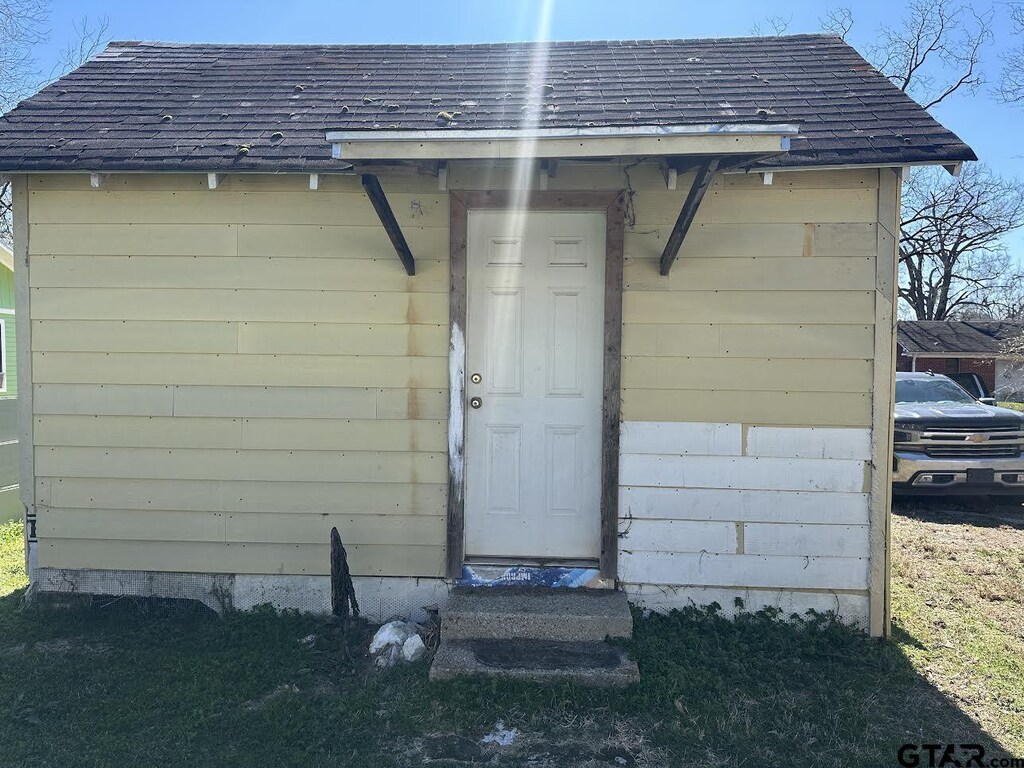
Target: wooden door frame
<point x="613" y="205"/>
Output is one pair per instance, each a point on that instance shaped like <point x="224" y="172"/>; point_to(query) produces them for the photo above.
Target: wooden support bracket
<point x="671" y="175"/>
<point x="314" y="181"/>
<point x="701" y="182"/>
<point x="212" y="180"/>
<point x="387" y="218"/>
<point x="548" y="170"/>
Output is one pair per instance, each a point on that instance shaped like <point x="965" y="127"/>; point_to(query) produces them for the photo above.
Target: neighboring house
<point x="11" y="507"/>
<point x="984" y="347"/>
<point x="624" y="308"/>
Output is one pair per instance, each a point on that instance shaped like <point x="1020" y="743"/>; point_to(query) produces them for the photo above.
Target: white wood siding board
<point x="814" y="540"/>
<point x="401" y="499"/>
<point x="293" y="273"/>
<point x="744" y="505"/>
<point x="239" y="370"/>
<point x="809" y="442"/>
<point x="214" y="464"/>
<point x="851" y="607"/>
<point x="225" y="304"/>
<point x="744" y="472"/>
<point x="103" y="400"/>
<point x="640" y="535"/>
<point x="744" y="570"/>
<point x="681" y="438"/>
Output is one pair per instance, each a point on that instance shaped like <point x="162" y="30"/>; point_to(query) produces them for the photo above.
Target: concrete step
<point x="536" y="613"/>
<point x="585" y="663"/>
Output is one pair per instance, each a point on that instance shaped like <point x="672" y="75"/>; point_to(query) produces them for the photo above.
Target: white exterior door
<point x="534" y="340"/>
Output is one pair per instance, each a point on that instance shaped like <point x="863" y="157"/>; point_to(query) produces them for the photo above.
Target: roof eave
<point x="615" y="141"/>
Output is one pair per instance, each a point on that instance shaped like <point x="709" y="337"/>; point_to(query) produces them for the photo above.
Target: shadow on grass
<point x="984" y="512"/>
<point x="127" y="683"/>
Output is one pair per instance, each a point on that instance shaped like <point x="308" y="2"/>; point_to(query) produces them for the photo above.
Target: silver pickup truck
<point x="945" y="441"/>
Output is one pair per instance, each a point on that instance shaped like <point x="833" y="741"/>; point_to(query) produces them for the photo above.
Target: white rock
<point x="413" y="648"/>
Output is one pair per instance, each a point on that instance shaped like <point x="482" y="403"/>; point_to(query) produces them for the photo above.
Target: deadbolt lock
<point x="476" y="378"/>
<point x="475" y="402"/>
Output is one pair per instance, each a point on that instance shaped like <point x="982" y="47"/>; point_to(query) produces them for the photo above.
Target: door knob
<point x="475" y="402"/>
<point x="476" y="378"/>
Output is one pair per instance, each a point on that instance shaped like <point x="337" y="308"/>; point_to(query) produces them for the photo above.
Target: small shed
<point x="992" y="349"/>
<point x="614" y="314"/>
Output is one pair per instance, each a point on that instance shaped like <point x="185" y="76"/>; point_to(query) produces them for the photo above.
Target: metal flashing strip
<point x="603" y="141"/>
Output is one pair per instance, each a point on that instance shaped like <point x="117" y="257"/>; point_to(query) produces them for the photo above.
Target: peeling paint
<point x="456" y="408"/>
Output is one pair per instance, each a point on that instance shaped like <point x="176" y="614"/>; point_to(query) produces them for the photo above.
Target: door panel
<point x="535" y="331"/>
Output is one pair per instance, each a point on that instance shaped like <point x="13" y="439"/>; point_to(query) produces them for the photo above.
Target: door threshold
<point x="490" y="574"/>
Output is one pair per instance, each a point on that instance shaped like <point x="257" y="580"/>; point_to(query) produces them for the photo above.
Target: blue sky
<point x="993" y="129"/>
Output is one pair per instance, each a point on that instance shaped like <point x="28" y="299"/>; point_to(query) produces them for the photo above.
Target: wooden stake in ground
<point x="343" y="593"/>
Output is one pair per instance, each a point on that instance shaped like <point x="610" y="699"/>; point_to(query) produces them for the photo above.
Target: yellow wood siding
<point x="768" y="314"/>
<point x="221" y="376"/>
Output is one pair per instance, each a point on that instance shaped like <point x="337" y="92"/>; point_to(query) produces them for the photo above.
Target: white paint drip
<point x="456" y="409"/>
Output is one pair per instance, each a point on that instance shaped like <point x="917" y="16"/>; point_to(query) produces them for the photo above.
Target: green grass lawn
<point x="134" y="684"/>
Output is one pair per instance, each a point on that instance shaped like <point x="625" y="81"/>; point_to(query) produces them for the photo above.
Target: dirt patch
<point x="64" y="646"/>
<point x="285" y="689"/>
<point x="541" y="742"/>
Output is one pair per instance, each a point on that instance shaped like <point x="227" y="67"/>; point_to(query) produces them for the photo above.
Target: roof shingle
<point x="164" y="106"/>
<point x="971" y="338"/>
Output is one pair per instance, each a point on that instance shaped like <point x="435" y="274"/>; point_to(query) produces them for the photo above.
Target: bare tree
<point x="90" y="37"/>
<point x="935" y="51"/>
<point x="779" y="26"/>
<point x="952" y="256"/>
<point x="23" y="25"/>
<point x="1011" y="82"/>
<point x="837" y="21"/>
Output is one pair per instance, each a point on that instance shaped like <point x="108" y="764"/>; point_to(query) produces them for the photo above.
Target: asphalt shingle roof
<point x="972" y="338"/>
<point x="164" y="106"/>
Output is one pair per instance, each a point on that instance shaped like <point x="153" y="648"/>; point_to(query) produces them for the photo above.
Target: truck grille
<point x="973" y="451"/>
<point x="965" y="442"/>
